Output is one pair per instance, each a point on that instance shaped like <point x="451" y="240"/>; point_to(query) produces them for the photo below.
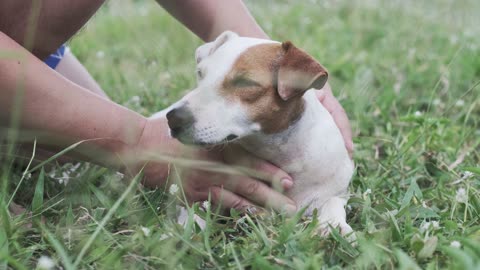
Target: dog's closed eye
<point x="242" y="82"/>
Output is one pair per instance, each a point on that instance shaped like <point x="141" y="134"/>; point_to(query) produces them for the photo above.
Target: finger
<point x="262" y="169"/>
<point x="226" y="199"/>
<point x="263" y="195"/>
<point x="339" y="115"/>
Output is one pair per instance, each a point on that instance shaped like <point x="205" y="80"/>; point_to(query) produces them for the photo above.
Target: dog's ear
<point x="298" y="72"/>
<point x="210" y="47"/>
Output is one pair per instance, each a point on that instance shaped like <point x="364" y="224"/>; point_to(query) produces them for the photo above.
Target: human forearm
<point x="209" y="18"/>
<point x="58" y="112"/>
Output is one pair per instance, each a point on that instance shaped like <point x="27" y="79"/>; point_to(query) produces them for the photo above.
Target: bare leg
<point x="73" y="70"/>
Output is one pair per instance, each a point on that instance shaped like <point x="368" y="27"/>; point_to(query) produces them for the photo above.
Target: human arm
<point x="58" y="113"/>
<point x="209" y="18"/>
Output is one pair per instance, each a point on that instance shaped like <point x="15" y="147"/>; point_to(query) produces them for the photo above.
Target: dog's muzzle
<point x="180" y="119"/>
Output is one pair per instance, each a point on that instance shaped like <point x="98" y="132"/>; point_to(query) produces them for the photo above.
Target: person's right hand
<point x="226" y="190"/>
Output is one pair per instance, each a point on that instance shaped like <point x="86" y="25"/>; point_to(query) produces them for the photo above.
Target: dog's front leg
<point x="332" y="214"/>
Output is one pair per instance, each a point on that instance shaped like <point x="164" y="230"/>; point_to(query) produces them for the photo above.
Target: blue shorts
<point x="55" y="58"/>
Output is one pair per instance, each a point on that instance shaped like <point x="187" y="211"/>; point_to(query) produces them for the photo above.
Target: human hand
<point x="227" y="190"/>
<point x="325" y="96"/>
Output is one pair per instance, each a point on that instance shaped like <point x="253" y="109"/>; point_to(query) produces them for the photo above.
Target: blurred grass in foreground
<point x="406" y="72"/>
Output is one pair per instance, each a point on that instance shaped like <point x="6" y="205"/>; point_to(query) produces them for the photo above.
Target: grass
<point x="407" y="73"/>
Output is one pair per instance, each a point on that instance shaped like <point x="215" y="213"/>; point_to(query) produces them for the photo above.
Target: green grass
<point x="407" y="73"/>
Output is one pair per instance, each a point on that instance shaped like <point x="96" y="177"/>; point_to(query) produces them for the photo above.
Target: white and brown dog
<point x="255" y="92"/>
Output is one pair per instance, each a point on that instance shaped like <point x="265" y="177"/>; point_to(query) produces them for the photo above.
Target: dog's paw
<point x="345" y="230"/>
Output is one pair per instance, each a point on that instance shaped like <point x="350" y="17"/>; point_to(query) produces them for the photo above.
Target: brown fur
<point x="253" y="81"/>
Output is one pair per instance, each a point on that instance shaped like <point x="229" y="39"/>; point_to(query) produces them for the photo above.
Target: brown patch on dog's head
<point x="269" y="80"/>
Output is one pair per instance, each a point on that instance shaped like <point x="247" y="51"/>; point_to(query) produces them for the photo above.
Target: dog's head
<point x="245" y="86"/>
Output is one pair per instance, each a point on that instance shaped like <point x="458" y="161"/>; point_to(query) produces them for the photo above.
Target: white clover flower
<point x="165" y="236"/>
<point x="45" y="263"/>
<point x="206" y="205"/>
<point x="100" y="54"/>
<point x="27" y="175"/>
<point x="418" y="113"/>
<point x="64" y="178"/>
<point x="146" y="231"/>
<point x="467" y="174"/>
<point x="425" y="226"/>
<point x="173" y="189"/>
<point x="455" y="244"/>
<point x="460" y="103"/>
<point x="435" y="225"/>
<point x="119" y="176"/>
<point x="366" y="193"/>
<point x="424" y="204"/>
<point x="461" y="196"/>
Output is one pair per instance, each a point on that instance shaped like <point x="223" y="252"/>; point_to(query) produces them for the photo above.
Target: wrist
<point x="150" y="154"/>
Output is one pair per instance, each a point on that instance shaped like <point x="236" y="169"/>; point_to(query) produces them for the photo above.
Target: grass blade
<point x="37" y="201"/>
<point x="67" y="263"/>
<point x="105" y="220"/>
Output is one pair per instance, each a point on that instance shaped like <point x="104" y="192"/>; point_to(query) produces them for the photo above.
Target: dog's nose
<point x="179" y="118"/>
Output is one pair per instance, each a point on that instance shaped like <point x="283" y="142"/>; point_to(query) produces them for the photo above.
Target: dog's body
<point x="312" y="151"/>
<point x="254" y="92"/>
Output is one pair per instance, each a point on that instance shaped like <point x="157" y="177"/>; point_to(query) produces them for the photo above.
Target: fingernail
<point x="286" y="183"/>
<point x="290" y="209"/>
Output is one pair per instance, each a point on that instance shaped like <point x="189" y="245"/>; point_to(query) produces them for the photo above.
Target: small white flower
<point x="461" y="196"/>
<point x="100" y="54"/>
<point x="206" y="205"/>
<point x="45" y="263"/>
<point x="173" y="189"/>
<point x="165" y="236"/>
<point x="135" y="99"/>
<point x="467" y="174"/>
<point x="367" y="192"/>
<point x="424" y="204"/>
<point x="119" y="176"/>
<point x="460" y="103"/>
<point x="418" y="113"/>
<point x="455" y="244"/>
<point x="435" y="225"/>
<point x="146" y="231"/>
<point x="436" y="102"/>
<point x="27" y="175"/>
<point x="425" y="226"/>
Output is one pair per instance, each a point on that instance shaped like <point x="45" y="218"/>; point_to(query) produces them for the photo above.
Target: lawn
<point x="407" y="73"/>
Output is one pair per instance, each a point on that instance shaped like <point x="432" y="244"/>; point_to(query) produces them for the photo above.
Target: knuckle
<point x="237" y="204"/>
<point x="252" y="187"/>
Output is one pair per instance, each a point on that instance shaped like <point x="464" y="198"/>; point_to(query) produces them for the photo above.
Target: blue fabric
<point x="55" y="58"/>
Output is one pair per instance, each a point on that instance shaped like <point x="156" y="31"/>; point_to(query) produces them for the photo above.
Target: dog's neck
<point x="302" y="143"/>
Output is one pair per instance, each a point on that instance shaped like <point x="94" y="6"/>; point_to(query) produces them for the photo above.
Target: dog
<point x="259" y="94"/>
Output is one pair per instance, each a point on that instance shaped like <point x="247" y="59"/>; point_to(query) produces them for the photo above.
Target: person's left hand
<point x="339" y="115"/>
